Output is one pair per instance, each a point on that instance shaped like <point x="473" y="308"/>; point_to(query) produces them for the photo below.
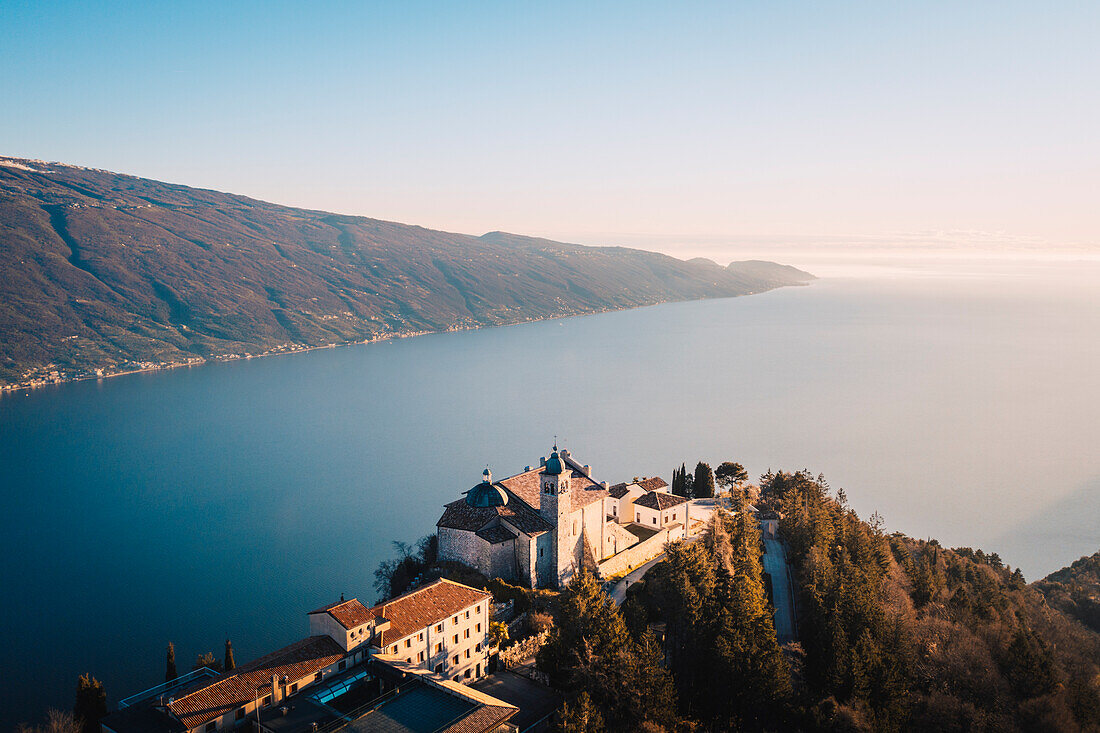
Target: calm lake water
<point x="229" y="500"/>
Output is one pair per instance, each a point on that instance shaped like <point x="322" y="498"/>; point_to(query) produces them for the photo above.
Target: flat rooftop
<point x="534" y="700"/>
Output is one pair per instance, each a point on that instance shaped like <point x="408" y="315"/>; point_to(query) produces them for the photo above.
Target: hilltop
<point x="102" y="272"/>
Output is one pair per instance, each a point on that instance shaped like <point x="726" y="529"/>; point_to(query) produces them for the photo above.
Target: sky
<point x="668" y="125"/>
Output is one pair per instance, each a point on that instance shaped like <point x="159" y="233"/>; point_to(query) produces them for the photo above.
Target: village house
<point x="437" y="632"/>
<point x="541" y="526"/>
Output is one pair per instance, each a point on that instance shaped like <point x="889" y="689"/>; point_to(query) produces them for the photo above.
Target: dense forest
<point x="895" y="634"/>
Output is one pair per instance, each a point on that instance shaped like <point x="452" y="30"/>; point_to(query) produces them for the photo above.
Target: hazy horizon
<point x="599" y="125"/>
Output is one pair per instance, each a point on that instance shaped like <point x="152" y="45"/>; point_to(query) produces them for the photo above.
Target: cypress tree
<point x="170" y="673"/>
<point x="230" y="664"/>
<point x="685" y="482"/>
<point x="703" y="485"/>
<point x="91" y="703"/>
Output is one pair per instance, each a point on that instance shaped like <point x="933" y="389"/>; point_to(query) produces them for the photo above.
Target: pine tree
<point x="703" y="484"/>
<point x="91" y="703"/>
<point x="171" y="673"/>
<point x="580" y="716"/>
<point x="230" y="664"/>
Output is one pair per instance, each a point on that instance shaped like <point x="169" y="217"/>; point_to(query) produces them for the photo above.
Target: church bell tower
<point x="555" y="507"/>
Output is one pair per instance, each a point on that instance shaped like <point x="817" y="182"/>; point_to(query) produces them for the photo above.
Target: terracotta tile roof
<point x="659" y="500"/>
<point x="349" y="614"/>
<point x="617" y="491"/>
<point x="224" y="694"/>
<point x="653" y="484"/>
<point x="496" y="535"/>
<point x="425" y="606"/>
<point x="525" y="486"/>
<point x="460" y="515"/>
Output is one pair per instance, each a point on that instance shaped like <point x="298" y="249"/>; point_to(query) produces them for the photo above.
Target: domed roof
<point x="486" y="495"/>
<point x="553" y="466"/>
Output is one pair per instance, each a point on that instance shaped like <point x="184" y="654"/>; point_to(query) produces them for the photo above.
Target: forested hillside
<point x="896" y="634"/>
<point x="101" y="271"/>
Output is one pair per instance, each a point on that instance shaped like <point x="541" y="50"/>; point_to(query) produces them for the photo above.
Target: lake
<point x="230" y="499"/>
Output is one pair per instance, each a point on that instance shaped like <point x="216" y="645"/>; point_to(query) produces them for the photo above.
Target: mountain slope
<point x="102" y="271"/>
<point x="1075" y="590"/>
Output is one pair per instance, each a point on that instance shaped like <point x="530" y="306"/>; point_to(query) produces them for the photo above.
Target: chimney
<point x="526" y="469"/>
<point x="542" y="461"/>
<point x="274" y="689"/>
<point x="587" y="470"/>
<point x="604" y="484"/>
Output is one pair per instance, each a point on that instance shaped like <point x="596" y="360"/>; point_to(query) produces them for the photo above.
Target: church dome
<point x="553" y="466"/>
<point x="485" y="495"/>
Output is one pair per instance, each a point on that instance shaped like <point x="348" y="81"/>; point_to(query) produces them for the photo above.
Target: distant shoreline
<point x="6" y="389"/>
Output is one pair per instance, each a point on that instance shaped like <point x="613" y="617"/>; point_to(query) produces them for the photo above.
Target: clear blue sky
<point x="593" y="121"/>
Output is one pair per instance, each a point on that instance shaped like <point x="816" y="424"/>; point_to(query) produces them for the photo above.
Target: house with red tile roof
<point x="442" y="627"/>
<point x="438" y="630"/>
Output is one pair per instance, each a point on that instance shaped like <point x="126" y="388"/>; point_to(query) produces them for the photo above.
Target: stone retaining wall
<point x="636" y="555"/>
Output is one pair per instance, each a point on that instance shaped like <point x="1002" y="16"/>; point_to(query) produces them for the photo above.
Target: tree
<point x="57" y="721"/>
<point x="730" y="475"/>
<point x="580" y="716"/>
<point x="677" y="487"/>
<point x="170" y="672"/>
<point x="703" y="483"/>
<point x="591" y="651"/>
<point x="207" y="660"/>
<point x="91" y="703"/>
<point x="230" y="664"/>
<point x="498" y="633"/>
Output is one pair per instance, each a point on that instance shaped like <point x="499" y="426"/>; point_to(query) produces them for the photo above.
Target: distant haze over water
<point x="957" y="399"/>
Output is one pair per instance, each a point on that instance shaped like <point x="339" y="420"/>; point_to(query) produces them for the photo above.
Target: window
<point x="408" y="660"/>
<point x="455" y="659"/>
<point x="439" y="668"/>
<point x="479" y="609"/>
<point x="293" y="688"/>
<point x="477" y="647"/>
<point x="615" y="510"/>
<point x="466" y="634"/>
<point x="393" y="650"/>
<point x="467" y="613"/>
<point x="342" y="665"/>
<point x="408" y="643"/>
<point x="477" y="628"/>
<point x="639" y="517"/>
<point x="420" y="657"/>
<point x="420" y="637"/>
<point x="455" y="620"/>
<point x="655" y="520"/>
<point x="266" y="701"/>
<point x="456" y="638"/>
<point x="439" y="627"/>
<point x="317" y="677"/>
<point x="541" y="550"/>
<point x="467" y="674"/>
<point x="674" y="516"/>
<point x="438" y="647"/>
<point x="211" y="726"/>
<point x="479" y="669"/>
<point x="240" y="714"/>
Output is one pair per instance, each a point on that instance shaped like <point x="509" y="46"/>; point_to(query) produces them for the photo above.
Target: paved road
<point x="775" y="565"/>
<point x="618" y="593"/>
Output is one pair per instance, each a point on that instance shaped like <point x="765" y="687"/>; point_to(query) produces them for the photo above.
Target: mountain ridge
<point x="105" y="273"/>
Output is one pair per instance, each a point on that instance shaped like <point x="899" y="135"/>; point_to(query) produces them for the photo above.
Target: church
<point x="539" y="527"/>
